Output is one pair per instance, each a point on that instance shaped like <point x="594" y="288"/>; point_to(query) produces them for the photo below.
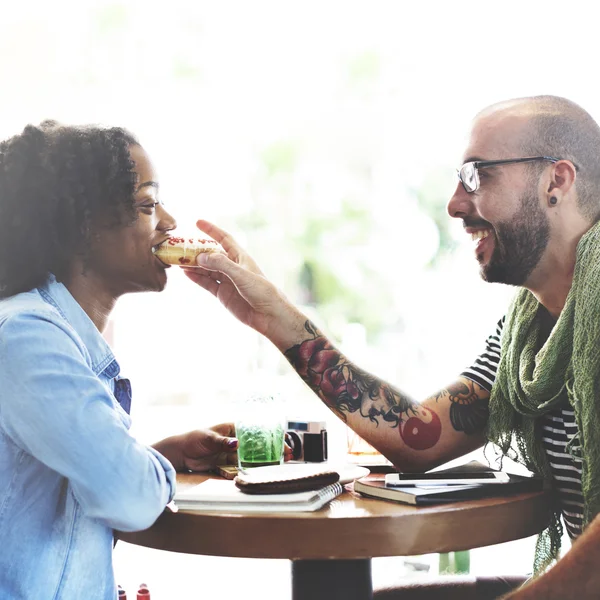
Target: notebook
<point x="285" y="479"/>
<point x="375" y="487"/>
<point x="223" y="496"/>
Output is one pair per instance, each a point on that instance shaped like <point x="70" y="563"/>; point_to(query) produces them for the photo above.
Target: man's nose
<point x="460" y="205"/>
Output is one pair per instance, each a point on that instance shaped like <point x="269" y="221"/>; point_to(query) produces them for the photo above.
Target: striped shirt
<point x="558" y="429"/>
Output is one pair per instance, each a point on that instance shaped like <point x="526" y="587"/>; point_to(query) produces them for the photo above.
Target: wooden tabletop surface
<point x="351" y="526"/>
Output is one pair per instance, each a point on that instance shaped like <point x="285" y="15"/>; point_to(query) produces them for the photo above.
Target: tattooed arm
<point x="414" y="436"/>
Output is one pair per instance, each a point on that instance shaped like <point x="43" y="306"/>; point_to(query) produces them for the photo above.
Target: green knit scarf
<point x="538" y="374"/>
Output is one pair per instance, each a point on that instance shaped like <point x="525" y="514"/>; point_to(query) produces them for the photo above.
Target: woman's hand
<point x="200" y="450"/>
<point x="203" y="449"/>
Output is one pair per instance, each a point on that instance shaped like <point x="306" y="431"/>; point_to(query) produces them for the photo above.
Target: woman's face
<point x="122" y="256"/>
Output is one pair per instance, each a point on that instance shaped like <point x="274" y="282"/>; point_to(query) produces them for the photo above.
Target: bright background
<point x="324" y="136"/>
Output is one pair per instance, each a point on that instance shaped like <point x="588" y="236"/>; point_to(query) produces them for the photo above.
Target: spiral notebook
<point x="223" y="496"/>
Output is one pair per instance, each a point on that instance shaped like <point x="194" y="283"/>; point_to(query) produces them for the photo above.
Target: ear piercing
<point x="553" y="200"/>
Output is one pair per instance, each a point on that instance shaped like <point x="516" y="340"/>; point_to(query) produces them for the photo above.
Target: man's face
<point x="122" y="256"/>
<point x="519" y="244"/>
<point x="504" y="216"/>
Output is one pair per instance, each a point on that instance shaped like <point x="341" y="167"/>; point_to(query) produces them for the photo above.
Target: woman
<point x="81" y="215"/>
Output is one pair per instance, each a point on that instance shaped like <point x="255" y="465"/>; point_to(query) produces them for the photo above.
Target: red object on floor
<point x="143" y="593"/>
<point x="122" y="594"/>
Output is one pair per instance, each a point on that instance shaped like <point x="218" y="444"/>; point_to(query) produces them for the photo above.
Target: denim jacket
<point x="70" y="472"/>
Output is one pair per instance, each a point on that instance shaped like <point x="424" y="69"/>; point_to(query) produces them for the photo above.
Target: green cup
<point x="259" y="428"/>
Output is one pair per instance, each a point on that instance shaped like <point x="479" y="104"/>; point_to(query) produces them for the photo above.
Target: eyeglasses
<point x="469" y="172"/>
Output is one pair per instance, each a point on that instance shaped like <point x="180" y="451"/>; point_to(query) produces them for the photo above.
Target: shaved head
<point x="555" y="126"/>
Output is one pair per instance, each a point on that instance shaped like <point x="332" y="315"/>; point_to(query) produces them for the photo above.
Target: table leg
<point x="332" y="580"/>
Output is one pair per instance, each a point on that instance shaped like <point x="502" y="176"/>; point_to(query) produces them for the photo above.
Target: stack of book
<point x="265" y="489"/>
<point x="465" y="482"/>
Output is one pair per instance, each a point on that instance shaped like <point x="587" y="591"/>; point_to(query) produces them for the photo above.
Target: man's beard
<point x="519" y="244"/>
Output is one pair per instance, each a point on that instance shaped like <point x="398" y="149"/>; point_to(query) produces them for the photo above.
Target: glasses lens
<point x="468" y="177"/>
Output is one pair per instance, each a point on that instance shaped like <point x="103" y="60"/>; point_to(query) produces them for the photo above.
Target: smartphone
<point x="440" y="479"/>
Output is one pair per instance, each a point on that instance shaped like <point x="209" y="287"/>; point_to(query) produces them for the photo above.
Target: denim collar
<point x="102" y="357"/>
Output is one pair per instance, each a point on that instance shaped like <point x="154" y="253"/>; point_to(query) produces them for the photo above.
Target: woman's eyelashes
<point x="149" y="206"/>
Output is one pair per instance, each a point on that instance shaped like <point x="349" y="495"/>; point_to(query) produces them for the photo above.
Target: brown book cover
<point x="283" y="479"/>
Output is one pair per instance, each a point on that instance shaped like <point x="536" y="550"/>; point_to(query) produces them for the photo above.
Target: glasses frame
<point x="484" y="164"/>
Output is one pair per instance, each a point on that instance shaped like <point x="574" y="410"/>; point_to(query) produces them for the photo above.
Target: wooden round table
<point x="331" y="549"/>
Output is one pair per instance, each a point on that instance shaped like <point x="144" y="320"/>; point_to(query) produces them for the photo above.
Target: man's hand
<point x="200" y="450"/>
<point x="575" y="575"/>
<point x="239" y="284"/>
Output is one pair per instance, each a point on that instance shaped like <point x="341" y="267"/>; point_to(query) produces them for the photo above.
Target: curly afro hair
<point x="59" y="185"/>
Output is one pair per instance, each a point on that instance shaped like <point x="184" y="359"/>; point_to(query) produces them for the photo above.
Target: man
<point x="529" y="192"/>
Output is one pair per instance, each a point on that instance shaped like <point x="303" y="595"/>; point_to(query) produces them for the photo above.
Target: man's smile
<point x="484" y="239"/>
